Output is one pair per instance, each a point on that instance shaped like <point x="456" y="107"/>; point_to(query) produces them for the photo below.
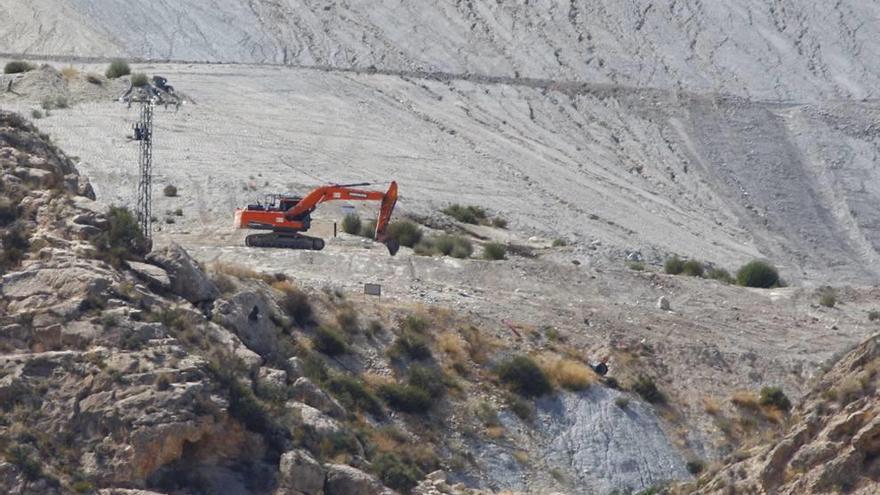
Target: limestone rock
<point x="305" y="390"/>
<point x="663" y="303"/>
<point x="249" y="314"/>
<point x="299" y="473"/>
<point x="187" y="279"/>
<point x="155" y="277"/>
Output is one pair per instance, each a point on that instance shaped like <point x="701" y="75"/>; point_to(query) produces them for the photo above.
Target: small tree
<point x="123" y="239"/>
<point x="692" y="268"/>
<point x="351" y="224"/>
<point x="758" y="274"/>
<point x="117" y="68"/>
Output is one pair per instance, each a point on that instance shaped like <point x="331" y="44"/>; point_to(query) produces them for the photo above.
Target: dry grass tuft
<point x="711" y="405"/>
<point x="453" y="346"/>
<point x="521" y="457"/>
<point x="745" y="399"/>
<point x="495" y="432"/>
<point x="69" y="73"/>
<point x="240" y="271"/>
<point x="567" y="373"/>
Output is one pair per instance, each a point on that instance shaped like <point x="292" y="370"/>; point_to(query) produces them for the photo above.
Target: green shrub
<point x="636" y="266"/>
<point x="61" y="102"/>
<point x="695" y="466"/>
<point x="466" y="214"/>
<point x="296" y="304"/>
<point x="453" y="245"/>
<point x="8" y="211"/>
<point x="368" y="229"/>
<point x="414" y="323"/>
<point x="406" y="398"/>
<point x="559" y="242"/>
<point x="622" y="402"/>
<point x="692" y="268"/>
<point x="673" y="266"/>
<point x="425" y="247"/>
<point x="828" y="298"/>
<point x="17" y="67"/>
<point x="139" y="80"/>
<point x="170" y="191"/>
<point x="117" y="68"/>
<point x="329" y="341"/>
<point x="775" y="397"/>
<point x="524" y="376"/>
<point x="523" y="409"/>
<point x="353" y="395"/>
<point x="427" y="379"/>
<point x="347" y="320"/>
<point x="410" y="345"/>
<point x="123" y="239"/>
<point x="351" y="224"/>
<point x="22" y="458"/>
<point x="82" y="486"/>
<point x="494" y="251"/>
<point x="94" y="79"/>
<point x="399" y="474"/>
<point x="36" y="114"/>
<point x="758" y="274"/>
<point x="406" y="233"/>
<point x="647" y="389"/>
<point x="721" y="275"/>
<point x="873" y="315"/>
<point x="499" y="222"/>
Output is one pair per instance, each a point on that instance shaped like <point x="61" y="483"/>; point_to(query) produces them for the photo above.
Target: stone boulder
<point x="346" y="480"/>
<point x="187" y="279"/>
<point x="299" y="474"/>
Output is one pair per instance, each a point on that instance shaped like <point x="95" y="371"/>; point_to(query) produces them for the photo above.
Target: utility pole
<point x="143" y="132"/>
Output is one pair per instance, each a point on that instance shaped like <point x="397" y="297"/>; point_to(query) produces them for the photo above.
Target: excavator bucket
<point x="385" y="211"/>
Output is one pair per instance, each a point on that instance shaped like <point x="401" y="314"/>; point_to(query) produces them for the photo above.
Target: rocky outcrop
<point x="832" y="448"/>
<point x="186" y="277"/>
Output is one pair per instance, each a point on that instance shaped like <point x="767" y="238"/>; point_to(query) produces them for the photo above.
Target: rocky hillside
<point x="766" y="50"/>
<point x="123" y="369"/>
<point x="831" y="445"/>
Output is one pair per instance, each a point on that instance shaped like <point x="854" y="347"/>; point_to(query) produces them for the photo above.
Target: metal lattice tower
<point x="143" y="131"/>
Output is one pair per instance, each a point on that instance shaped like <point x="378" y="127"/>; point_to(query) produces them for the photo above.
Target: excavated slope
<point x="769" y="50"/>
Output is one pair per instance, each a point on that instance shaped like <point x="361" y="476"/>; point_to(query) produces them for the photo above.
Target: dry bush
<point x="479" y="347"/>
<point x="711" y="405"/>
<point x="69" y="73"/>
<point x="521" y="457"/>
<point x="240" y="271"/>
<point x="567" y="373"/>
<point x="850" y="389"/>
<point x="745" y="399"/>
<point x="495" y="431"/>
<point x="453" y="346"/>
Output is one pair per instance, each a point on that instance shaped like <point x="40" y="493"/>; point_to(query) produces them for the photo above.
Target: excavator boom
<point x="292" y="215"/>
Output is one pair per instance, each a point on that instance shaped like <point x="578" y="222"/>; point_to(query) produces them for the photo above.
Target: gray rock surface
<point x="250" y="314"/>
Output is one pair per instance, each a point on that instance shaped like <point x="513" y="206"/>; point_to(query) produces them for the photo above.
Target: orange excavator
<point x="288" y="216"/>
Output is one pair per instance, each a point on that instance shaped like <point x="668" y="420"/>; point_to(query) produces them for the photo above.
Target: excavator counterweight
<point x="288" y="216"/>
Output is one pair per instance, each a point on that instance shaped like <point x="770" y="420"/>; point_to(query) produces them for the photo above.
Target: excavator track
<point x="284" y="241"/>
